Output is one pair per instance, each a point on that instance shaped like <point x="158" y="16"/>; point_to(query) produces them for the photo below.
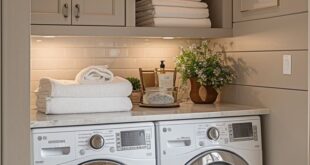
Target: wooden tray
<point x="174" y="105"/>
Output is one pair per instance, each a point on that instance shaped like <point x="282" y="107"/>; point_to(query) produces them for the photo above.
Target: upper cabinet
<point x="53" y="12"/>
<point x="98" y="12"/>
<point x="79" y="12"/>
<point x="117" y="18"/>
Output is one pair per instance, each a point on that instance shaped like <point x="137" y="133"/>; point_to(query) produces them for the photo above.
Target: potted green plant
<point x="136" y="85"/>
<point x="205" y="69"/>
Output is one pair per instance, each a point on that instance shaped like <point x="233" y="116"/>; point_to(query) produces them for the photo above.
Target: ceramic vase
<point x="200" y="94"/>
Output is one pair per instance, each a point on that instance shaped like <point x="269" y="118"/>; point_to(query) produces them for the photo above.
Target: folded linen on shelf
<point x="83" y="105"/>
<point x="94" y="75"/>
<point x="118" y="87"/>
<point x="176" y="22"/>
<point x="145" y="4"/>
<point x="172" y="12"/>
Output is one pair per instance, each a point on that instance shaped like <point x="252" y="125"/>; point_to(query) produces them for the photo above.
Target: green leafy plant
<point x="136" y="84"/>
<point x="203" y="63"/>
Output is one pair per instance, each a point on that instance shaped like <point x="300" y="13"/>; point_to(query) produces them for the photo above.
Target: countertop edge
<point x="150" y="118"/>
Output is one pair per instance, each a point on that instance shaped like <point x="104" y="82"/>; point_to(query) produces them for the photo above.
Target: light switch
<point x="287" y="64"/>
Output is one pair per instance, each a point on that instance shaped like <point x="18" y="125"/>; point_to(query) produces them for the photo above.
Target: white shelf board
<point x="137" y="32"/>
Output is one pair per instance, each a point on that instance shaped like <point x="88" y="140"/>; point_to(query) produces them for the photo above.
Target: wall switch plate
<point x="287" y="64"/>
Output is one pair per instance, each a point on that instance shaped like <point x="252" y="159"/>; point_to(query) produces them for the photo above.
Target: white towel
<point x="172" y="12"/>
<point x="118" y="87"/>
<point x="94" y="75"/>
<point x="84" y="105"/>
<point x="179" y="3"/>
<point x="176" y="22"/>
<point x="176" y="3"/>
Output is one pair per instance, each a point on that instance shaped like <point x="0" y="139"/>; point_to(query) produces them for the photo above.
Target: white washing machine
<point x="122" y="144"/>
<point x="220" y="141"/>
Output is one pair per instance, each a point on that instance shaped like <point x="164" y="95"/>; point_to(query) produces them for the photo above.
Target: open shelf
<point x="137" y="32"/>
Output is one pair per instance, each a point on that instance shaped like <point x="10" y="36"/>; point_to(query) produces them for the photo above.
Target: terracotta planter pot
<point x="202" y="94"/>
<point x="136" y="96"/>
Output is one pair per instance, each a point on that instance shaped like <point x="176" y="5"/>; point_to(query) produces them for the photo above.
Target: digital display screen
<point x="242" y="130"/>
<point x="133" y="138"/>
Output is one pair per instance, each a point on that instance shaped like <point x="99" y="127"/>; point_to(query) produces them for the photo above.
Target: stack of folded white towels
<point x="95" y="89"/>
<point x="172" y="13"/>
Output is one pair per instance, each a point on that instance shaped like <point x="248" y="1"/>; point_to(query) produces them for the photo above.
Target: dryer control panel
<point x="189" y="136"/>
<point x="229" y="133"/>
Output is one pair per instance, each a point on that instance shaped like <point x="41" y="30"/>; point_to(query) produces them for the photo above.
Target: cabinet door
<point x="98" y="12"/>
<point x="52" y="12"/>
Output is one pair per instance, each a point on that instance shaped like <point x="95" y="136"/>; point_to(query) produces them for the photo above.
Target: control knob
<point x="97" y="142"/>
<point x="213" y="133"/>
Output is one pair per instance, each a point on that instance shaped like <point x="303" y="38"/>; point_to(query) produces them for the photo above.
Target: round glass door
<point x="217" y="157"/>
<point x="101" y="162"/>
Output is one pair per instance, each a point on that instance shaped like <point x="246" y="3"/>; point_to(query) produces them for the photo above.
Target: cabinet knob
<point x="78" y="10"/>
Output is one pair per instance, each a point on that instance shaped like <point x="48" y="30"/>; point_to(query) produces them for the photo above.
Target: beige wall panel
<point x="285" y="131"/>
<point x="0" y="84"/>
<point x="266" y="69"/>
<point x="16" y="82"/>
<point x="285" y="7"/>
<point x="308" y="88"/>
<point x="279" y="33"/>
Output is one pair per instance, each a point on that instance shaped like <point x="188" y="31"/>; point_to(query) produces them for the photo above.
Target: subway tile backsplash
<point x="64" y="57"/>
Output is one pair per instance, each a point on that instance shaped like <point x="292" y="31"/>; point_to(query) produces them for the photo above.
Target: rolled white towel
<point x="118" y="87"/>
<point x="176" y="3"/>
<point x="172" y="12"/>
<point x="176" y="22"/>
<point x="83" y="105"/>
<point x="94" y="75"/>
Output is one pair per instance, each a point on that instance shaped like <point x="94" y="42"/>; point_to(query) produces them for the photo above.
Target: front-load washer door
<point x="217" y="157"/>
<point x="101" y="162"/>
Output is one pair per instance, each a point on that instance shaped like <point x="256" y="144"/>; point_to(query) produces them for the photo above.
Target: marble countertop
<point x="138" y="114"/>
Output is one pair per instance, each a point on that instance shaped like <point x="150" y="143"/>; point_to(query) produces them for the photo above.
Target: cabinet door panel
<point x="98" y="12"/>
<point x="53" y="12"/>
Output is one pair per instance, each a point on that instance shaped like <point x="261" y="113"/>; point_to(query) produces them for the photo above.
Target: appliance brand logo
<point x="56" y="141"/>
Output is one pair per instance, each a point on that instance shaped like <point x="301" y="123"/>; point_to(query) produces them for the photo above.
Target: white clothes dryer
<point x="219" y="141"/>
<point x="121" y="144"/>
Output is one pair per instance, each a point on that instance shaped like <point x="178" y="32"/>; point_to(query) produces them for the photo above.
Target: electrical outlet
<point x="287" y="64"/>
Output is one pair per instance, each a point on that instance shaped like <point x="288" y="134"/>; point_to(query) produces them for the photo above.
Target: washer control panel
<point x="114" y="140"/>
<point x="73" y="144"/>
